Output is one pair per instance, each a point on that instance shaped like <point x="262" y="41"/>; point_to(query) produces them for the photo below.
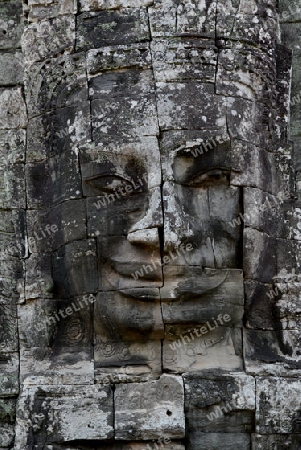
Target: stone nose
<point x="145" y="231"/>
<point x="149" y="237"/>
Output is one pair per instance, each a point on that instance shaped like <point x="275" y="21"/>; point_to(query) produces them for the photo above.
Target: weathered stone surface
<point x="63" y="414"/>
<point x="11" y="24"/>
<point x="218" y="291"/>
<point x="45" y="9"/>
<point x="209" y="347"/>
<point x="11" y="69"/>
<point x="176" y="111"/>
<point x="48" y="38"/>
<point x="48" y="84"/>
<point x="172" y="18"/>
<point x="278" y="406"/>
<point x="214" y="441"/>
<point x="92" y="5"/>
<point x="118" y="57"/>
<point x="273" y="352"/>
<point x="75" y="269"/>
<point x="248" y="162"/>
<point x="44" y="189"/>
<point x="217" y="402"/>
<point x="266" y="442"/>
<point x="144" y="229"/>
<point x="125" y="26"/>
<point x="13" y="110"/>
<point x="56" y="347"/>
<point x="262" y="212"/>
<point x="127" y="361"/>
<point x="156" y="408"/>
<point x="259" y="256"/>
<point x="9" y="374"/>
<point x="50" y="230"/>
<point x="184" y="59"/>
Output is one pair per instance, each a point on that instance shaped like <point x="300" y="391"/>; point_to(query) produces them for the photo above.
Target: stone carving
<point x="149" y="224"/>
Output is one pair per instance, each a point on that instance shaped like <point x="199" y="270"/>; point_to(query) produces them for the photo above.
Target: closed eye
<point x="209" y="178"/>
<point x="108" y="183"/>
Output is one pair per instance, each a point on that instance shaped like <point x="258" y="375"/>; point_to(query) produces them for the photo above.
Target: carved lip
<point x="145" y="294"/>
<point x="146" y="271"/>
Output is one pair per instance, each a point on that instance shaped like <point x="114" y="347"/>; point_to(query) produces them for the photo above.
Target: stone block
<point x="259" y="256"/>
<point x="51" y="229"/>
<point x="118" y="57"/>
<point x="63" y="413"/>
<point x="56" y="83"/>
<point x="183" y="59"/>
<point x="9" y="374"/>
<point x="128" y="315"/>
<point x="126" y="361"/>
<point x="101" y="29"/>
<point x="191" y="349"/>
<point x="253" y="167"/>
<point x="176" y="110"/>
<point x="150" y="410"/>
<point x="272" y="352"/>
<point x="38" y="10"/>
<point x="278" y="405"/>
<point x="12" y="109"/>
<point x="56" y="341"/>
<point x="92" y="5"/>
<point x="53" y="181"/>
<point x="172" y="18"/>
<point x="11" y="69"/>
<point x="219" y="402"/>
<point x="75" y="269"/>
<point x="218" y="291"/>
<point x="214" y="441"/>
<point x="11" y="24"/>
<point x="47" y="38"/>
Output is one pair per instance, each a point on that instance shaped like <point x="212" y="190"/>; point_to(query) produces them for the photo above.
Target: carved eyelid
<point x="223" y="171"/>
<point x="109" y="175"/>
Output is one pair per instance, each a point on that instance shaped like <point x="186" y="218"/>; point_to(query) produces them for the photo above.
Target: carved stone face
<point x="143" y="179"/>
<point x="145" y="147"/>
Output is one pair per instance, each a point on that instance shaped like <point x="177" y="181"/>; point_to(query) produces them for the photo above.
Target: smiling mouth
<point x="148" y="271"/>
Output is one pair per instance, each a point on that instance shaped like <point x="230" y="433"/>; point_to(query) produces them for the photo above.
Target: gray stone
<point x="11" y="24"/>
<point x="47" y="38"/>
<point x="92" y="5"/>
<point x="155" y="407"/>
<point x="11" y="69"/>
<point x="278" y="406"/>
<point x="70" y="419"/>
<point x="172" y="18"/>
<point x="214" y="441"/>
<point x="47" y="84"/>
<point x="125" y="26"/>
<point x="45" y="9"/>
<point x="191" y="349"/>
<point x="9" y="374"/>
<point x="218" y="402"/>
<point x="13" y="110"/>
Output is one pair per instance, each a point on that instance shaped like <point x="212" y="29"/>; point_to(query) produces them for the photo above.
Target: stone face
<point x="155" y="407"/>
<point x="150" y="224"/>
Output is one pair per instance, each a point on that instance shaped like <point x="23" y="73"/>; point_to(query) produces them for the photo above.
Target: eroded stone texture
<point x="149" y="229"/>
<point x="63" y="414"/>
<point x="156" y="408"/>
